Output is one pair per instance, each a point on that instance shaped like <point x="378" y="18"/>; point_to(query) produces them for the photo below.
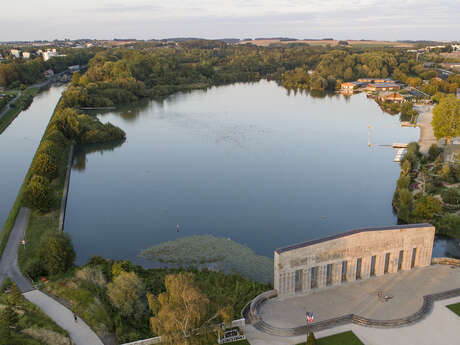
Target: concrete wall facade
<point x="354" y="255"/>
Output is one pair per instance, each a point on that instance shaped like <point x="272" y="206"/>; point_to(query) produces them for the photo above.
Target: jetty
<point x="399" y="145"/>
<point x="400" y="154"/>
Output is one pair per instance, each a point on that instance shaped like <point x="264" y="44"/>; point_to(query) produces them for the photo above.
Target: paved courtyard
<point x="441" y="327"/>
<point x="361" y="298"/>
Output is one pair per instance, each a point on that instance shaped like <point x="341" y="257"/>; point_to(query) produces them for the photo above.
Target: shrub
<point x="433" y="152"/>
<point x="93" y="275"/>
<point x="38" y="194"/>
<point x="449" y="225"/>
<point x="56" y="253"/>
<point x="56" y="136"/>
<point x="451" y="196"/>
<point x="127" y="294"/>
<point x="34" y="269"/>
<point x="426" y="208"/>
<point x="311" y="339"/>
<point x="44" y="165"/>
<point x="403" y="182"/>
<point x="55" y="151"/>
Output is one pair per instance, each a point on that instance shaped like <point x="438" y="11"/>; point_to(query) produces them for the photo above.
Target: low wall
<point x="445" y="261"/>
<point x="66" y="190"/>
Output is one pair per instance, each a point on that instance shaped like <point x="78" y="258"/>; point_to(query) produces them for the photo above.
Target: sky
<point x="148" y="19"/>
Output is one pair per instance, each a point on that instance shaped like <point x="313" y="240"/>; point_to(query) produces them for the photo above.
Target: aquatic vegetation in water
<point x="215" y="253"/>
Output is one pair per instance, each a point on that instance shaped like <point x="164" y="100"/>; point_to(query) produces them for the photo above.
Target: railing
<point x="258" y="323"/>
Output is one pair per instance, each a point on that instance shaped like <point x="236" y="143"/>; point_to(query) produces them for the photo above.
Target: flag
<point x="309" y="317"/>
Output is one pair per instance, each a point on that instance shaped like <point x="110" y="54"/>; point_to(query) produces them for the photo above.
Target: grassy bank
<point x="21" y="104"/>
<point x="346" y="338"/>
<point x="32" y="326"/>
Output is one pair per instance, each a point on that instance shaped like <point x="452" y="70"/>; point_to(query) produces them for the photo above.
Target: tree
<point x="179" y="311"/>
<point x="426" y="208"/>
<point x="56" y="253"/>
<point x="404" y="204"/>
<point x="348" y="74"/>
<point x="446" y="118"/>
<point x="66" y="120"/>
<point x="38" y="194"/>
<point x="311" y="339"/>
<point x="45" y="165"/>
<point x="127" y="294"/>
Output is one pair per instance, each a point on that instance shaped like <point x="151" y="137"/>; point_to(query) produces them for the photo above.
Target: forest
<point x="124" y="75"/>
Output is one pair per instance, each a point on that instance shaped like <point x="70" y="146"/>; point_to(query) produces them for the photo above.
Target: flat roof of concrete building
<point x="348" y="233"/>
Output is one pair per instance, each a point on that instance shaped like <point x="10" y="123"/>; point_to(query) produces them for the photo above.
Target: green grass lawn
<point x="455" y="308"/>
<point x="346" y="338"/>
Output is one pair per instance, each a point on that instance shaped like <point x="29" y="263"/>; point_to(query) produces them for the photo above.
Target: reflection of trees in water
<point x="79" y="159"/>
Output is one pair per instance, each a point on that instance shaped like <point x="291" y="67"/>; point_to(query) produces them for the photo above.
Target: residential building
<point x="26" y="55"/>
<point x="49" y="54"/>
<point x="393" y="97"/>
<point x="16" y="53"/>
<point x="348" y="86"/>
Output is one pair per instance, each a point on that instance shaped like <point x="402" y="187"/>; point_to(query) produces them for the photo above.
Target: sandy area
<point x="427" y="137"/>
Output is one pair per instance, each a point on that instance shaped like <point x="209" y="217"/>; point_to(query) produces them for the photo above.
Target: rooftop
<point x="348" y="233"/>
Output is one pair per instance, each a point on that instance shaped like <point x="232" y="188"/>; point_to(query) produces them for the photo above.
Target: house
<point x="26" y="55"/>
<point x="16" y="53"/>
<point x="393" y="97"/>
<point x="348" y="86"/>
<point x="365" y="80"/>
<point x="383" y="87"/>
<point x="49" y="54"/>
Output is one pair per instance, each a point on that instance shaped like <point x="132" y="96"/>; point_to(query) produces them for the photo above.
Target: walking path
<point x="442" y="326"/>
<point x="7" y="107"/>
<point x="427" y="137"/>
<point x="79" y="331"/>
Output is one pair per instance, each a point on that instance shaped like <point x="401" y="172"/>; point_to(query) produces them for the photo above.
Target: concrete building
<point x="353" y="255"/>
<point x="26" y="55"/>
<point x="49" y="54"/>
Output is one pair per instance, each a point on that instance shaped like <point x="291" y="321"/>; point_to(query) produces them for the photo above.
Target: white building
<point x="49" y="54"/>
<point x="456" y="47"/>
<point x="16" y="53"/>
<point x="26" y="55"/>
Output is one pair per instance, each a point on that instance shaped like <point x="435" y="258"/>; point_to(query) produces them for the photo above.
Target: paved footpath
<point x="79" y="331"/>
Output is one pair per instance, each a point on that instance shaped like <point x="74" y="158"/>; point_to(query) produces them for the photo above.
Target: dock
<point x="399" y="145"/>
<point x="408" y="124"/>
<point x="400" y="154"/>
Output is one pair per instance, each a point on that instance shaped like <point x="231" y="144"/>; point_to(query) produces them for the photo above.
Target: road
<point x="79" y="331"/>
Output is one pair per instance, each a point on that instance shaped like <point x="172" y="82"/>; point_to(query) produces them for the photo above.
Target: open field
<point x="266" y="43"/>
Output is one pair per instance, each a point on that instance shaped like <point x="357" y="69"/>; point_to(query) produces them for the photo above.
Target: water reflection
<point x="446" y="247"/>
<point x="79" y="159"/>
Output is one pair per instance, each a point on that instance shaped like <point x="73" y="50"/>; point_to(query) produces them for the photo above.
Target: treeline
<point x="66" y="127"/>
<point x="19" y="72"/>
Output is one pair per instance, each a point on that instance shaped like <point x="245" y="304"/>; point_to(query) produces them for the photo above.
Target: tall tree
<point x="446" y="118"/>
<point x="180" y="311"/>
<point x="127" y="294"/>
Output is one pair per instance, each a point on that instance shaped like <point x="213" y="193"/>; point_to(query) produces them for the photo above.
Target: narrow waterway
<point x="18" y="144"/>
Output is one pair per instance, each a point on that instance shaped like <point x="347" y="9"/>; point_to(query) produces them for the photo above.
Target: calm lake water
<point x="18" y="144"/>
<point x="249" y="162"/>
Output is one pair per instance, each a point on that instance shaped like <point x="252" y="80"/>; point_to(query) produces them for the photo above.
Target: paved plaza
<point x="441" y="327"/>
<point x="361" y="297"/>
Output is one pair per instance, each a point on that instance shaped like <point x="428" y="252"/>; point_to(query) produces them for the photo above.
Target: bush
<point x="451" y="196"/>
<point x="34" y="269"/>
<point x="55" y="151"/>
<point x="433" y="152"/>
<point x="38" y="194"/>
<point x="56" y="253"/>
<point x="127" y="294"/>
<point x="403" y="182"/>
<point x="56" y="136"/>
<point x="449" y="225"/>
<point x="44" y="165"/>
<point x="426" y="208"/>
<point x="311" y="339"/>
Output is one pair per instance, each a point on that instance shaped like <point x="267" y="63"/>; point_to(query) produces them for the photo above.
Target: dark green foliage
<point x="56" y="253"/>
<point x="434" y="152"/>
<point x="38" y="194"/>
<point x="449" y="225"/>
<point x="426" y="208"/>
<point x="451" y="196"/>
<point x="8" y="319"/>
<point x="403" y="182"/>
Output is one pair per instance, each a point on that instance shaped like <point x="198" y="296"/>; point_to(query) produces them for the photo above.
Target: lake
<point x="18" y="144"/>
<point x="250" y="162"/>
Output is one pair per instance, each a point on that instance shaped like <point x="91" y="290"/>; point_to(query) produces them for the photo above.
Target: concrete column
<point x="306" y="279"/>
<point x="351" y="270"/>
<point x="379" y="264"/>
<point x="336" y="273"/>
<point x="407" y="257"/>
<point x="292" y="282"/>
<point x="366" y="267"/>
<point x="393" y="267"/>
<point x="321" y="277"/>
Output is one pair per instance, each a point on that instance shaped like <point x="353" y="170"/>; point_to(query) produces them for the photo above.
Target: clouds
<point x="390" y="19"/>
